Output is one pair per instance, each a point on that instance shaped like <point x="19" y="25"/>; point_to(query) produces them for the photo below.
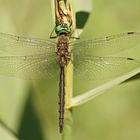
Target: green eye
<point x="64" y="27"/>
<point x="68" y="29"/>
<point x="58" y="28"/>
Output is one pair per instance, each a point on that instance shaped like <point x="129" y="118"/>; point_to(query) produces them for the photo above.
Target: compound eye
<point x="68" y="29"/>
<point x="59" y="28"/>
<point x="63" y="27"/>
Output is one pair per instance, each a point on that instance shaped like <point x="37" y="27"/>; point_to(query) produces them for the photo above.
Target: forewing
<point x="108" y="45"/>
<point x="22" y="46"/>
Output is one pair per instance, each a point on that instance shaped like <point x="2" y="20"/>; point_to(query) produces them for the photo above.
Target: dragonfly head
<point x="63" y="29"/>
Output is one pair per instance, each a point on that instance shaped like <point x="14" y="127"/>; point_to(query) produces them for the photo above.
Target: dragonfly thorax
<point x="63" y="54"/>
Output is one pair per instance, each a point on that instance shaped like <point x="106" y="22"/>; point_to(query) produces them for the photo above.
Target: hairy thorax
<point x="63" y="54"/>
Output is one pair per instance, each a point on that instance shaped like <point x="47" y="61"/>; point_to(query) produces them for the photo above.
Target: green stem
<point x="85" y="97"/>
<point x="67" y="125"/>
<point x="68" y="121"/>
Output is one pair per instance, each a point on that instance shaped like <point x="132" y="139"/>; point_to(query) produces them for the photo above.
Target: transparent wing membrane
<point x="23" y="46"/>
<point x="38" y="57"/>
<point x="29" y="67"/>
<point x="99" y="68"/>
<point x="108" y="45"/>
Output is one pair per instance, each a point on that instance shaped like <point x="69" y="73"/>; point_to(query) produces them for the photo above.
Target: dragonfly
<point x="34" y="58"/>
<point x="40" y="58"/>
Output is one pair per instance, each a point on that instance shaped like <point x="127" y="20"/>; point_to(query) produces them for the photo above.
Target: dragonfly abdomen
<point x="61" y="99"/>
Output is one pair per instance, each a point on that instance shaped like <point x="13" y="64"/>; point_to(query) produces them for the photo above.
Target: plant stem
<point x="85" y="97"/>
<point x="68" y="98"/>
<point x="67" y="125"/>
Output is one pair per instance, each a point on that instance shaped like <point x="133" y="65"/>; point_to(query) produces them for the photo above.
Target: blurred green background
<point x="29" y="108"/>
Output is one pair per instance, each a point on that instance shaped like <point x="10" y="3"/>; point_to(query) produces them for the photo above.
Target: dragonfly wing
<point x="108" y="45"/>
<point x="100" y="68"/>
<point x="23" y="46"/>
<point x="29" y="67"/>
